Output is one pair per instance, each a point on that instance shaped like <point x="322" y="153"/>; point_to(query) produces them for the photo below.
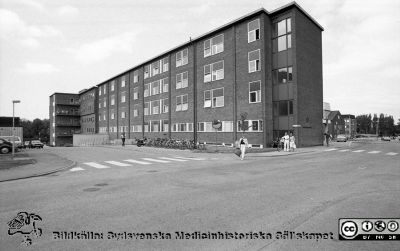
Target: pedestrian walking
<point x="123" y="139"/>
<point x="286" y="142"/>
<point x="243" y="144"/>
<point x="327" y="138"/>
<point x="292" y="142"/>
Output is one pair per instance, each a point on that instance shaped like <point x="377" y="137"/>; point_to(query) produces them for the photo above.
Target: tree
<point x="36" y="129"/>
<point x="364" y="123"/>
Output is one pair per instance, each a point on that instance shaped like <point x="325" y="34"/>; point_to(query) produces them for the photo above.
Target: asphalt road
<point x="207" y="193"/>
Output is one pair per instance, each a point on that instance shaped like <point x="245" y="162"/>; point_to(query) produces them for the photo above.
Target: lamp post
<point x="13" y="144"/>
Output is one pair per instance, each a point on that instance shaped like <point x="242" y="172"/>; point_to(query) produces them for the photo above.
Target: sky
<point x="49" y="46"/>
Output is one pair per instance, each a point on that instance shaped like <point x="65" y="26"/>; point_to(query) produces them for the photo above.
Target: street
<point x="148" y="190"/>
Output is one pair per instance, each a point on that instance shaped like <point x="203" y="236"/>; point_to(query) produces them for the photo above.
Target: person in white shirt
<point x="243" y="144"/>
<point x="292" y="142"/>
<point x="286" y="142"/>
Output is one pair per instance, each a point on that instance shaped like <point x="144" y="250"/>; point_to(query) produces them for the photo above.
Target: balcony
<point x="67" y="113"/>
<point x="60" y="124"/>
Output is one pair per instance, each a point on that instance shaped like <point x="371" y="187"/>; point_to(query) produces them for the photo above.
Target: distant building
<point x="88" y="108"/>
<point x="6" y="128"/>
<point x="64" y="118"/>
<point x="335" y="124"/>
<point x="267" y="64"/>
<point x="350" y="125"/>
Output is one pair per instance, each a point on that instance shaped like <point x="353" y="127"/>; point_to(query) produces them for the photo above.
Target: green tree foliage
<point x="36" y="129"/>
<point x="383" y="125"/>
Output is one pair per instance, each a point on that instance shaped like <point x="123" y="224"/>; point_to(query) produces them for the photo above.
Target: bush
<point x="171" y="143"/>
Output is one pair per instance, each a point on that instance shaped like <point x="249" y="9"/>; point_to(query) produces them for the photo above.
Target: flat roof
<point x="249" y="15"/>
<point x="63" y="93"/>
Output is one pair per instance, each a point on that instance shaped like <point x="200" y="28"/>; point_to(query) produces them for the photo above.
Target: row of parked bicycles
<point x="167" y="143"/>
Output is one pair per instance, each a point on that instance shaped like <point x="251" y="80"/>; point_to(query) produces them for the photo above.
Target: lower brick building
<point x="266" y="65"/>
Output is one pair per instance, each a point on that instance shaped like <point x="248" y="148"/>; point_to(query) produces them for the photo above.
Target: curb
<point x="45" y="173"/>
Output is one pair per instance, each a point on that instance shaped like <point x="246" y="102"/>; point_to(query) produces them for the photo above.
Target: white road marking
<point x="96" y="165"/>
<point x="344" y="150"/>
<point x="172" y="159"/>
<point x="188" y="158"/>
<point x="137" y="162"/>
<point x="374" y="152"/>
<point x="117" y="163"/>
<point x="332" y="149"/>
<point x="358" y="151"/>
<point x="391" y="153"/>
<point x="156" y="160"/>
<point x="76" y="169"/>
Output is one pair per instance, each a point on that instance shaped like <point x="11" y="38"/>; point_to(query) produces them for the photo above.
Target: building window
<point x="282" y="75"/>
<point x="137" y="128"/>
<point x="165" y="64"/>
<point x="254" y="61"/>
<point x="251" y="125"/>
<point x="214" y="45"/>
<point x="123" y="115"/>
<point x="182" y="102"/>
<point x="283" y="108"/>
<point x="105" y="103"/>
<point x="155" y="87"/>
<point x="182" y="127"/>
<point x="155" y="68"/>
<point x="255" y="92"/>
<point x="104" y="116"/>
<point x="165" y="126"/>
<point x="146" y="90"/>
<point x="182" y="57"/>
<point x="164" y="105"/>
<point x="100" y="91"/>
<point x="146" y="108"/>
<point x="214" y="98"/>
<point x="155" y="106"/>
<point x="214" y="71"/>
<point x="135" y="93"/>
<point x="123" y="81"/>
<point x="146" y="71"/>
<point x="104" y="89"/>
<point x="182" y="80"/>
<point x="99" y="105"/>
<point x="112" y="99"/>
<point x="123" y="99"/>
<point x="253" y="30"/>
<point x="164" y="84"/>
<point x="112" y="85"/>
<point x="155" y="126"/>
<point x="135" y="110"/>
<point x="282" y="35"/>
<point x="112" y="114"/>
<point x="135" y="76"/>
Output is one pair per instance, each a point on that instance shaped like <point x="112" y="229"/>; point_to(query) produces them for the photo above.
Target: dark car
<point x="36" y="144"/>
<point x="5" y="146"/>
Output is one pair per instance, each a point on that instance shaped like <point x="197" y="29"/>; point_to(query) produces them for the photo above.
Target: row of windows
<point x="163" y="126"/>
<point x="87" y="119"/>
<point x="155" y="68"/>
<point x="154" y="107"/>
<point x="153" y="88"/>
<point x="282" y="37"/>
<point x="91" y="130"/>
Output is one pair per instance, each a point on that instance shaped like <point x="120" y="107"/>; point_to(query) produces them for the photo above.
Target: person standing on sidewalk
<point x="327" y="138"/>
<point x="292" y="142"/>
<point x="286" y="142"/>
<point x="123" y="139"/>
<point x="243" y="144"/>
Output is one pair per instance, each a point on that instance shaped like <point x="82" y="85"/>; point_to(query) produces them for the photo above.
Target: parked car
<point x="5" y="146"/>
<point x="385" y="138"/>
<point x="36" y="144"/>
<point x="17" y="140"/>
<point x="341" y="138"/>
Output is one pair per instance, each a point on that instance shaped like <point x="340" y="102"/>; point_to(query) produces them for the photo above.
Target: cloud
<point x="67" y="11"/>
<point x="26" y="3"/>
<point x="12" y="27"/>
<point x="104" y="48"/>
<point x="39" y="68"/>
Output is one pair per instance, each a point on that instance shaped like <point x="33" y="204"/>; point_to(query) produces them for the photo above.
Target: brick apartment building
<point x="265" y="64"/>
<point x="350" y="125"/>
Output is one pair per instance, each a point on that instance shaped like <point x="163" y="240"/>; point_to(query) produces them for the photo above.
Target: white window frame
<point x="135" y="110"/>
<point x="253" y="63"/>
<point x="112" y="115"/>
<point x="165" y="64"/>
<point x="250" y="122"/>
<point x="258" y="93"/>
<point x="123" y="114"/>
<point x="135" y="76"/>
<point x="155" y="109"/>
<point x="211" y="48"/>
<point x="135" y="93"/>
<point x="164" y="105"/>
<point x="252" y="34"/>
<point x="123" y="80"/>
<point x="164" y="85"/>
<point x="112" y="100"/>
<point x="182" y="106"/>
<point x="146" y="71"/>
<point x="155" y="90"/>
<point x="211" y="102"/>
<point x="147" y="110"/>
<point x="183" y="83"/>
<point x="182" y="60"/>
<point x="147" y="90"/>
<point x="123" y="97"/>
<point x="213" y="76"/>
<point x="112" y="85"/>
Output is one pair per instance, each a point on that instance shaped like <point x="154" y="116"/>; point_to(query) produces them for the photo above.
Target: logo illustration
<point x="367" y="226"/>
<point x="392" y="226"/>
<point x="380" y="225"/>
<point x="349" y="229"/>
<point x="25" y="224"/>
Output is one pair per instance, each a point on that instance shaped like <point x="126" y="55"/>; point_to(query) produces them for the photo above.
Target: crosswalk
<point x="132" y="162"/>
<point x="361" y="151"/>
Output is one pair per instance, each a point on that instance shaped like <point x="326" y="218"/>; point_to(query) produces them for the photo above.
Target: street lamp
<point x="13" y="145"/>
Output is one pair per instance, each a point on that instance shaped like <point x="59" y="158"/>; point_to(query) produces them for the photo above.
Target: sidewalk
<point x="40" y="162"/>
